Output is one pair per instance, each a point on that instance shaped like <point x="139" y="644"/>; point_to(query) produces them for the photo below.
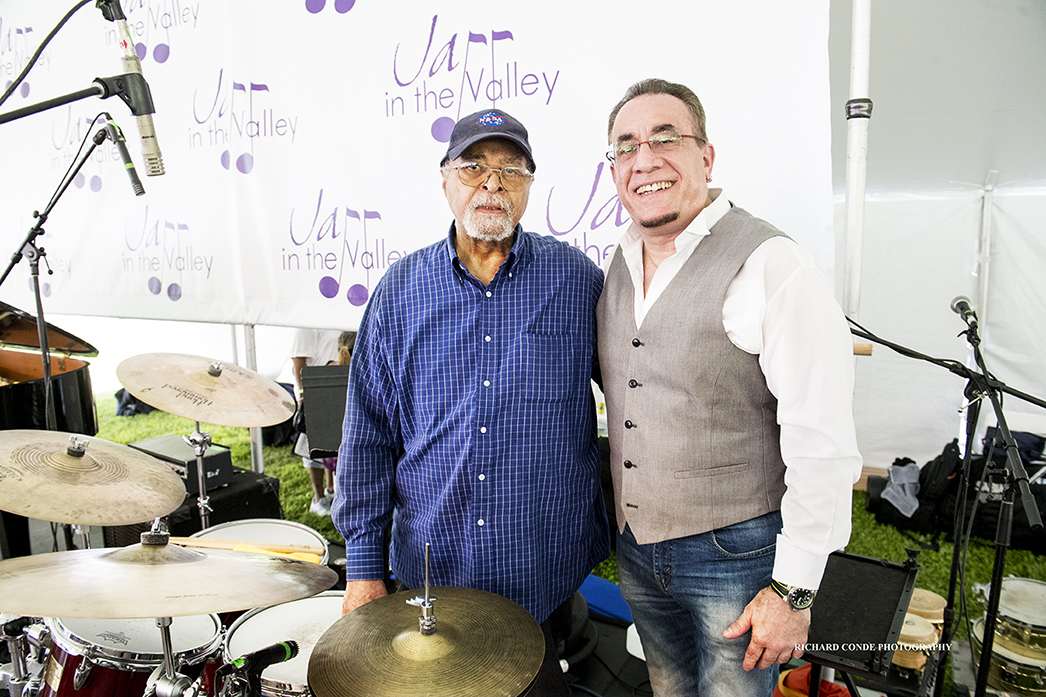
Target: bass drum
<point x="103" y="658"/>
<point x="303" y="621"/>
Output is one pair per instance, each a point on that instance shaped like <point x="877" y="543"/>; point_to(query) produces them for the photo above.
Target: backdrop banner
<point x="302" y="138"/>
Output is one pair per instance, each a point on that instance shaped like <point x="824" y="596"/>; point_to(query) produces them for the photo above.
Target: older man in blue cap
<point x="469" y="412"/>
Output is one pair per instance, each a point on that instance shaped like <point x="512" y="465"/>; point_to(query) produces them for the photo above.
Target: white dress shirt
<point x="781" y="307"/>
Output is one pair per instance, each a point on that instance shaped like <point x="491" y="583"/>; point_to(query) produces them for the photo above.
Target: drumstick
<point x="229" y="544"/>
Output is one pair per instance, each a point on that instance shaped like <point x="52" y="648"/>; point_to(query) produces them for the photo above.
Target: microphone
<point x="257" y="661"/>
<point x="140" y="100"/>
<point x="961" y="307"/>
<point x="116" y="135"/>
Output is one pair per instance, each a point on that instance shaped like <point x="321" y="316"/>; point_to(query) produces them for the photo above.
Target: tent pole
<point x="984" y="251"/>
<point x="251" y="349"/>
<point x="858" y="114"/>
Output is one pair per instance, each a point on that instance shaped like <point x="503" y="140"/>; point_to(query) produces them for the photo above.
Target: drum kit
<point x="149" y="619"/>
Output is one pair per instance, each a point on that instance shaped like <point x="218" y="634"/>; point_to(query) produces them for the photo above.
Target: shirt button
<point x="629" y="424"/>
<point x="482" y="429"/>
<point x="486" y="338"/>
<point x="479" y="522"/>
<point x="636" y="342"/>
<point x="489" y="294"/>
<point x="633" y="383"/>
<point x="482" y="477"/>
<point x="628" y="464"/>
<point x="486" y="383"/>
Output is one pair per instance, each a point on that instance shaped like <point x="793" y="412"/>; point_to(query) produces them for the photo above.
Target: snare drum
<point x="1008" y="670"/>
<point x="99" y="658"/>
<point x="303" y="621"/>
<point x="1021" y="623"/>
<point x="254" y="530"/>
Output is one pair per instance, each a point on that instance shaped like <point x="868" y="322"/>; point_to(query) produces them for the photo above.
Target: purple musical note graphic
<point x="340" y="6"/>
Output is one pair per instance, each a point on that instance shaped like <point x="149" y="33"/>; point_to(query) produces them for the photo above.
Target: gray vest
<point x="694" y="440"/>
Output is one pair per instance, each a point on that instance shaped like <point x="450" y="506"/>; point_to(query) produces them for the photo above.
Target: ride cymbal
<point x="205" y="390"/>
<point x="484" y="646"/>
<point x="48" y="476"/>
<point x="145" y="580"/>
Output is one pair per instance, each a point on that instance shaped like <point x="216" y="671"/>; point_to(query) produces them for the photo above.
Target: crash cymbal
<point x="484" y="646"/>
<point x="153" y="581"/>
<point x="205" y="390"/>
<point x="44" y="475"/>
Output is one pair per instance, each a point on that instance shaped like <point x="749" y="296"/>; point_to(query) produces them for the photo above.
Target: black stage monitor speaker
<point x="858" y="613"/>
<point x="217" y="461"/>
<point x="248" y="495"/>
<point x="324" y="387"/>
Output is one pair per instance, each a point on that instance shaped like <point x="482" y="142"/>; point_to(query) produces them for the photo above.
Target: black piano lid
<point x="18" y="329"/>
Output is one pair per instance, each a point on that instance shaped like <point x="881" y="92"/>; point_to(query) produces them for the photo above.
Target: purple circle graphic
<point x="45" y="289"/>
<point x="315" y="6"/>
<point x="442" y="128"/>
<point x="343" y="6"/>
<point x="96" y="183"/>
<point x="245" y="163"/>
<point x="225" y="159"/>
<point x="155" y="286"/>
<point x="357" y="295"/>
<point x="24" y="89"/>
<point x="161" y="53"/>
<point x="78" y="180"/>
<point x="328" y="287"/>
<point x="174" y="292"/>
<point x="140" y="50"/>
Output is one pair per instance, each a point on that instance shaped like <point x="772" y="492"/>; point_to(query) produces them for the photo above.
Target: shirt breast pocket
<point x="548" y="367"/>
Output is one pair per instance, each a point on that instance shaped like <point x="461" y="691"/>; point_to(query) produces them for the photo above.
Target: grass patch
<point x="280" y="462"/>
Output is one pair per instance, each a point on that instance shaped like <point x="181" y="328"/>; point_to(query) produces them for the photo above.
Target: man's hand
<point x="360" y="593"/>
<point x="776" y="630"/>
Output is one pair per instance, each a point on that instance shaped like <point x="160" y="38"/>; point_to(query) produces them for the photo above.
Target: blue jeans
<point x="684" y="593"/>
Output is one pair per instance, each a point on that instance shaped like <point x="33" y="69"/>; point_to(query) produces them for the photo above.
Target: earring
<point x="708" y="180"/>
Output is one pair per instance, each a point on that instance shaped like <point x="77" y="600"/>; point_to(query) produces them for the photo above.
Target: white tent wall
<point x="923" y="253"/>
<point x="959" y="90"/>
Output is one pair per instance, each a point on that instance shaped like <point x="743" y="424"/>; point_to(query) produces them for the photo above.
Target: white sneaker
<point x="321" y="507"/>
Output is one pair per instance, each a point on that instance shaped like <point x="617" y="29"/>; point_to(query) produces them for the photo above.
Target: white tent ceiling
<point x="959" y="89"/>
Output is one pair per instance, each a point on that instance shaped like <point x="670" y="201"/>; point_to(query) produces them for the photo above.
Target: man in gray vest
<point x="728" y="371"/>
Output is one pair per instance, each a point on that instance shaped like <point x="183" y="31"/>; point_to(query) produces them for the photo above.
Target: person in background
<point x="469" y="412"/>
<point x="728" y="372"/>
<point x="314" y="347"/>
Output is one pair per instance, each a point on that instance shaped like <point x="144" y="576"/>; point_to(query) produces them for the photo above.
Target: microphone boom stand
<point x="980" y="385"/>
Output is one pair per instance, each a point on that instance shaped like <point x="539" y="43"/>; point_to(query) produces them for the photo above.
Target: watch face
<point x="800" y="598"/>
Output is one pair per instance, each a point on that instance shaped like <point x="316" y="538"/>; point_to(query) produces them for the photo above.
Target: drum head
<point x="303" y="621"/>
<point x="1023" y="600"/>
<point x="273" y="530"/>
<point x="137" y="642"/>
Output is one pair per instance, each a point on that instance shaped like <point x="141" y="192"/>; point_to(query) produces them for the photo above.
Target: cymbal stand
<point x="78" y="448"/>
<point x="170" y="683"/>
<point x="200" y="442"/>
<point x="427" y="621"/>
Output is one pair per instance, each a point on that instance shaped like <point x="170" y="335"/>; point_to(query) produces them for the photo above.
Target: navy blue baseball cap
<point x="489" y="123"/>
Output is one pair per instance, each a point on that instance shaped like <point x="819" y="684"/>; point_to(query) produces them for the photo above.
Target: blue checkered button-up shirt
<point x="470" y="412"/>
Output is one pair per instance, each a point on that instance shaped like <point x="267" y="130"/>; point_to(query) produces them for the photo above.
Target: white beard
<point x="488" y="228"/>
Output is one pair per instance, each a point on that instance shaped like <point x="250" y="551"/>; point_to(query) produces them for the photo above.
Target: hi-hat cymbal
<point x="205" y="390"/>
<point x="43" y="477"/>
<point x="154" y="581"/>
<point x="484" y="646"/>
